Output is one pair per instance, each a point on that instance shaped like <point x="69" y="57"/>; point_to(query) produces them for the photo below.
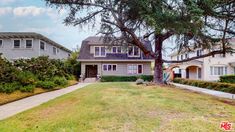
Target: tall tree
<point x="195" y="23"/>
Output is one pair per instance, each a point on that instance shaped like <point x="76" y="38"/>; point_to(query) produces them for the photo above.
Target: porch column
<point x="183" y="73"/>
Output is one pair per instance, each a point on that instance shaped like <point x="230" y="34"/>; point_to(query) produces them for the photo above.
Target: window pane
<point x="130" y="51"/>
<point x="102" y="51"/>
<point x="140" y="69"/>
<point x="182" y="57"/>
<point x="119" y="50"/>
<point x="129" y="69"/>
<point x="104" y="67"/>
<point x="211" y="70"/>
<point x="42" y="45"/>
<point x="114" y="67"/>
<point x="114" y="49"/>
<point x="109" y="67"/>
<point x="225" y="70"/>
<point x="16" y="43"/>
<point x="29" y="43"/>
<point x="54" y="50"/>
<point x="134" y="69"/>
<point x="136" y="51"/>
<point x="97" y="50"/>
<point x="0" y="43"/>
<point x="177" y="58"/>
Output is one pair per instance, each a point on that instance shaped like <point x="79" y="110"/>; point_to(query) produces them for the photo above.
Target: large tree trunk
<point x="158" y="67"/>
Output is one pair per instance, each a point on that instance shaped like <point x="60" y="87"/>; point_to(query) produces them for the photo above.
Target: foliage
<point x="227" y="79"/>
<point x="28" y="88"/>
<point x="126" y="78"/>
<point x="9" y="87"/>
<point x="60" y="81"/>
<point x="46" y="84"/>
<point x="26" y="78"/>
<point x="224" y="87"/>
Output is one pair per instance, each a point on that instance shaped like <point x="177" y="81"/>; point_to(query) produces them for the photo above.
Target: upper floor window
<point x="29" y="44"/>
<point x="182" y="57"/>
<point x="178" y="58"/>
<point x="133" y="51"/>
<point x="16" y="43"/>
<point x="218" y="70"/>
<point x="109" y="67"/>
<point x="1" y="43"/>
<point x="186" y="56"/>
<point x="135" y="69"/>
<point x="42" y="45"/>
<point x="54" y="50"/>
<point x="199" y="52"/>
<point x="100" y="51"/>
<point x="116" y="49"/>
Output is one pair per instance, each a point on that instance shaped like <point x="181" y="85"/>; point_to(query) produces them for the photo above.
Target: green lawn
<point x="125" y="107"/>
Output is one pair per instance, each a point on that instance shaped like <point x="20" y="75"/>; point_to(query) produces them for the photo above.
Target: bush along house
<point x="100" y="59"/>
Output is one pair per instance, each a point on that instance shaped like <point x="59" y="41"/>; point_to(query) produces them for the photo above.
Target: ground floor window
<point x="109" y="67"/>
<point x="135" y="69"/>
<point x="218" y="70"/>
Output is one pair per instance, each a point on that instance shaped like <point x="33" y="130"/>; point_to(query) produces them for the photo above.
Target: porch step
<point x="90" y="80"/>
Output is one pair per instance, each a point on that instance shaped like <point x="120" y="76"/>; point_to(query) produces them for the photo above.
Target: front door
<point x="91" y="71"/>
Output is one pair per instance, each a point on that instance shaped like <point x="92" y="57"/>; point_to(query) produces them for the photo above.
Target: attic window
<point x="100" y="51"/>
<point x="133" y="51"/>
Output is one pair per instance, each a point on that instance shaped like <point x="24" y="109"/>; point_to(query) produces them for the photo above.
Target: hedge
<point x="224" y="87"/>
<point x="227" y="79"/>
<point x="125" y="78"/>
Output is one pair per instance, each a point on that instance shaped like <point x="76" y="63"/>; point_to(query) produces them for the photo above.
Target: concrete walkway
<point x="13" y="108"/>
<point x="206" y="91"/>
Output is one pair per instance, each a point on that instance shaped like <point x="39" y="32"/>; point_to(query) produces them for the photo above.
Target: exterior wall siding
<point x="121" y="68"/>
<point x="12" y="53"/>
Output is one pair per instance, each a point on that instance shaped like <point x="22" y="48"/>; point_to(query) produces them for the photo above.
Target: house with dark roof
<point x="99" y="58"/>
<point x="16" y="45"/>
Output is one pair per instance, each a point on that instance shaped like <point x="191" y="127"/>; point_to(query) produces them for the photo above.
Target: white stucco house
<point x="208" y="69"/>
<point x="16" y="45"/>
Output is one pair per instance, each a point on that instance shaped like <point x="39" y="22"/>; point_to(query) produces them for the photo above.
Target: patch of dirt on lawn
<point x="229" y="102"/>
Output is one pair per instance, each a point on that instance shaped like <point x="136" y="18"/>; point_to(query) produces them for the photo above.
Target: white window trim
<point x="136" y="69"/>
<point x="213" y="71"/>
<point x="133" y="52"/>
<point x="2" y="43"/>
<point x="55" y="50"/>
<point x="45" y="47"/>
<point x="100" y="51"/>
<point x="116" y="50"/>
<point x="26" y="45"/>
<point x="111" y="67"/>
<point x="13" y="44"/>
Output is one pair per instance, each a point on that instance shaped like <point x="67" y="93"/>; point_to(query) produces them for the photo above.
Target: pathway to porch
<point x="13" y="108"/>
<point x="206" y="91"/>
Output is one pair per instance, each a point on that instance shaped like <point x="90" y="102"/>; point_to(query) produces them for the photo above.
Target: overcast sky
<point x="35" y="16"/>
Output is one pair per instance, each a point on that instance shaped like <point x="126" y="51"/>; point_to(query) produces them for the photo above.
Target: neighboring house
<point x="16" y="45"/>
<point x="209" y="68"/>
<point x="100" y="59"/>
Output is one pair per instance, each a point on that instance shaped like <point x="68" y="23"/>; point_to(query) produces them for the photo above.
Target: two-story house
<point x="208" y="68"/>
<point x="16" y="45"/>
<point x="100" y="59"/>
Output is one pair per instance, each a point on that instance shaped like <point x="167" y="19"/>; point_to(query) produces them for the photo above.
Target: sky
<point x="36" y="16"/>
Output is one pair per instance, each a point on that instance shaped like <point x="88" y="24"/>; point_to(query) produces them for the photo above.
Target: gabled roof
<point x="99" y="41"/>
<point x="9" y="35"/>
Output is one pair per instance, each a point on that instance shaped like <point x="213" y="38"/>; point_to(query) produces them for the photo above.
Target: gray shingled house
<point x="16" y="45"/>
<point x="101" y="59"/>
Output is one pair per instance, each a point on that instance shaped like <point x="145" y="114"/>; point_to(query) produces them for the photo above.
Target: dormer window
<point x="100" y="51"/>
<point x="29" y="43"/>
<point x="199" y="52"/>
<point x="116" y="49"/>
<point x="133" y="51"/>
<point x="42" y="45"/>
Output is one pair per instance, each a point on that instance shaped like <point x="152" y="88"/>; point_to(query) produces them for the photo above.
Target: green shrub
<point x="60" y="81"/>
<point x="28" y="88"/>
<point x="9" y="87"/>
<point x="227" y="79"/>
<point x="126" y="78"/>
<point x="26" y="78"/>
<point x="46" y="84"/>
<point x="224" y="87"/>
